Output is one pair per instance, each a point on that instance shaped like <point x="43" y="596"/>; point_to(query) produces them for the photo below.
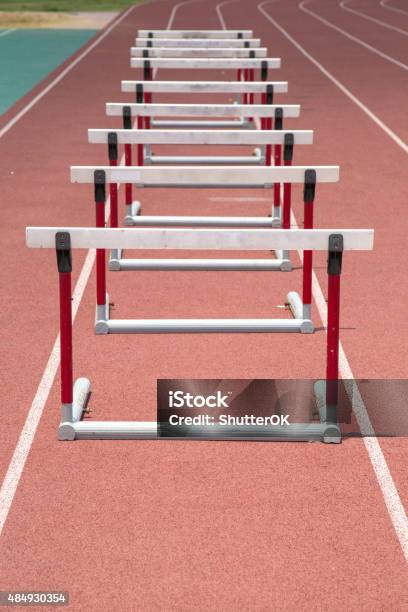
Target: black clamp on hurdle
<point x="127" y="118"/>
<point x="289" y="141"/>
<point x="269" y="93"/>
<point x="240" y="35"/>
<point x="139" y="93"/>
<point x="147" y="75"/>
<point x="309" y="188"/>
<point x="146" y="53"/>
<point x="113" y="146"/>
<point x="279" y="118"/>
<point x="149" y="43"/>
<point x="100" y="186"/>
<point x="335" y="255"/>
<point x="264" y="70"/>
<point x="63" y="250"/>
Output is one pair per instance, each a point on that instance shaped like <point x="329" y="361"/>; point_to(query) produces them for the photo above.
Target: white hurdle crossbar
<point x="146" y="138"/>
<point x="227" y="176"/>
<point x="207" y="52"/>
<point x="223" y="87"/>
<point x="199" y="43"/>
<point x="233" y="63"/>
<point x="74" y="397"/>
<point x="195" y="34"/>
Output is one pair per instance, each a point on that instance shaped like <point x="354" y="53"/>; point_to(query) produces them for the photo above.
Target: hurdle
<point x="194" y="43"/>
<point x="143" y="91"/>
<point x="192" y="52"/>
<point x="199" y="63"/>
<point x="240" y="34"/>
<point x="74" y="397"/>
<point x="205" y="177"/>
<point x="262" y="138"/>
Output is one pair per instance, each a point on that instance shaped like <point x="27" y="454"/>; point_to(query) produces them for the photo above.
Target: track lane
<point x="373" y="38"/>
<point x="366" y="12"/>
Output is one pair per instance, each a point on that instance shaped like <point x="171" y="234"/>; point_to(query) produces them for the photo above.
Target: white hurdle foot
<point x="132" y="210"/>
<point x="72" y="413"/>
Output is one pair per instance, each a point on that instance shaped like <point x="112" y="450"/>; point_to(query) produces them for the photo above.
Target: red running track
<point x="187" y="526"/>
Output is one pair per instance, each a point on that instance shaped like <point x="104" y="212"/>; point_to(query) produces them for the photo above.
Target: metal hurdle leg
<point x="303" y="307"/>
<point x="287" y="191"/>
<point x="74" y="397"/>
<point x="132" y="207"/>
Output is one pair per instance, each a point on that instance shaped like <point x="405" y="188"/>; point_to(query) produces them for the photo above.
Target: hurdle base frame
<point x="105" y="325"/>
<point x="256" y="159"/>
<point x="201" y="123"/>
<point x="117" y="263"/>
<point x="132" y="220"/>
<point x="133" y="211"/>
<point x="321" y="429"/>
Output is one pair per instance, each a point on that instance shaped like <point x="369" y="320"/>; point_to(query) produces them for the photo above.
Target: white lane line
<point x="5" y="32"/>
<point x="385" y="481"/>
<point x="344" y="6"/>
<point x="219" y="13"/>
<point x="66" y="70"/>
<point x="24" y="443"/>
<point x="384" y="4"/>
<point x="329" y="24"/>
<point x="343" y="88"/>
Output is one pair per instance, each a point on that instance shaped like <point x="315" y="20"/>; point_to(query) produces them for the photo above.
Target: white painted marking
<point x="384" y="4"/>
<point x="344" y="6"/>
<point x="386" y="483"/>
<point x="6" y="32"/>
<point x="329" y="24"/>
<point x="343" y="88"/>
<point x="23" y="446"/>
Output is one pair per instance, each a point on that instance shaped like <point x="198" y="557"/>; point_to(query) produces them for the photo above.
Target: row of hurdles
<point x="247" y="121"/>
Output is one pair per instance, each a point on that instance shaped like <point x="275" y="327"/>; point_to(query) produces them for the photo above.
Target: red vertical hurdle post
<point x="64" y="263"/>
<point x="264" y="98"/>
<point x="100" y="197"/>
<point x="113" y="187"/>
<point x="277" y="159"/>
<point x="251" y="78"/>
<point x="308" y="200"/>
<point x="140" y="100"/>
<point x="148" y="76"/>
<point x="268" y="124"/>
<point x="127" y="125"/>
<point x="287" y="187"/>
<point x="334" y="262"/>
